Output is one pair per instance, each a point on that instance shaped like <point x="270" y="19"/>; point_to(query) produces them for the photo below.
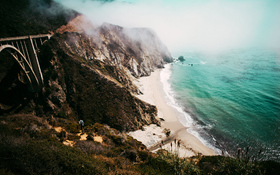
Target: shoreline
<point x="153" y="136"/>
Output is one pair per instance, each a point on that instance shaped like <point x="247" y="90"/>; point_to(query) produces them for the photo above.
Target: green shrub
<point x="91" y="147"/>
<point x="118" y="141"/>
<point x="115" y="152"/>
<point x="43" y="157"/>
<point x="44" y="133"/>
<point x="43" y="154"/>
<point x="73" y="127"/>
<point x="228" y="165"/>
<point x="62" y="114"/>
<point x="270" y="167"/>
<point x="100" y="129"/>
<point x="143" y="155"/>
<point x="167" y="163"/>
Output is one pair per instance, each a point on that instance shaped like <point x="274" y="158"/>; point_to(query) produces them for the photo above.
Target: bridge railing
<point x="25" y="37"/>
<point x="19" y="43"/>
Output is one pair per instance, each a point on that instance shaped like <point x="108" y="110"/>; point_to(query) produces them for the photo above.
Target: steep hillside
<point x="90" y="89"/>
<point x="138" y="49"/>
<point x="88" y="72"/>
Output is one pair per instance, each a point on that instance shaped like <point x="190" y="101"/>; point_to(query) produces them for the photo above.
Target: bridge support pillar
<point x="25" y="48"/>
<point x="35" y="64"/>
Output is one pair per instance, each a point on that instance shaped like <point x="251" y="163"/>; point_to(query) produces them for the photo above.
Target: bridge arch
<point x="24" y="64"/>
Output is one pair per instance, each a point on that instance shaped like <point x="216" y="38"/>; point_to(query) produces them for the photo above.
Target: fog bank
<point x="192" y="25"/>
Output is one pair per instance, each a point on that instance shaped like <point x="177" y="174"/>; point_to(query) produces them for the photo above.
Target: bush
<point x="228" y="165"/>
<point x="167" y="163"/>
<point x="43" y="157"/>
<point x="90" y="147"/>
<point x="130" y="154"/>
<point x="115" y="152"/>
<point x="73" y="127"/>
<point x="143" y="155"/>
<point x="99" y="129"/>
<point x="119" y="141"/>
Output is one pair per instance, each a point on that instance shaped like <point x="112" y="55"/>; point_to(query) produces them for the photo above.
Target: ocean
<point x="229" y="100"/>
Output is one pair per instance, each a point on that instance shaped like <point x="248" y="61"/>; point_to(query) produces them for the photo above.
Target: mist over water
<point x="203" y="25"/>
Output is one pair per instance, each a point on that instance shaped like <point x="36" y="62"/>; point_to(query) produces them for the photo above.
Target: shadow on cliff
<point x="14" y="95"/>
<point x="90" y="89"/>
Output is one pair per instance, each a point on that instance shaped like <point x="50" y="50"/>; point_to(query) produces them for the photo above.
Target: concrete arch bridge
<point x="24" y="50"/>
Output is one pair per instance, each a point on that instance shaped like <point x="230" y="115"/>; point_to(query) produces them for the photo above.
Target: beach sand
<point x="153" y="136"/>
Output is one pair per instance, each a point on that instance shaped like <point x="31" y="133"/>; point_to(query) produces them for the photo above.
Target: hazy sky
<point x="210" y="25"/>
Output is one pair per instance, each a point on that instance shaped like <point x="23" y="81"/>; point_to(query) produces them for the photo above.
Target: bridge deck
<point x="25" y="37"/>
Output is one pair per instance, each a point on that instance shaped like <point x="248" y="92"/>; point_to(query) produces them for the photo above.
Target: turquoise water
<point x="233" y="99"/>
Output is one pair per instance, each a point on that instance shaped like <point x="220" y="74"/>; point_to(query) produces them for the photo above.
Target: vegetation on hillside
<point x="76" y="87"/>
<point x="31" y="145"/>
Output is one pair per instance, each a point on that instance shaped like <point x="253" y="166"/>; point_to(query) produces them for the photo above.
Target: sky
<point x="188" y="25"/>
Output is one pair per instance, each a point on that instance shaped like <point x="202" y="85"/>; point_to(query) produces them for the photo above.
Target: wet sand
<point x="153" y="136"/>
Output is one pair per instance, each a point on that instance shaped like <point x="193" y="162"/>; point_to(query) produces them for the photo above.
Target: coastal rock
<point x="137" y="49"/>
<point x="88" y="73"/>
<point x="97" y="91"/>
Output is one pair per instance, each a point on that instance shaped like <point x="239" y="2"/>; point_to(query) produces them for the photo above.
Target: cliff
<point x="90" y="89"/>
<point x="137" y="49"/>
<point x="88" y="72"/>
<point x="95" y="69"/>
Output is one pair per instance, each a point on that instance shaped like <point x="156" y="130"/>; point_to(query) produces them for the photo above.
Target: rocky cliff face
<point x="88" y="73"/>
<point x="137" y="49"/>
<point x="77" y="87"/>
<point x="94" y="69"/>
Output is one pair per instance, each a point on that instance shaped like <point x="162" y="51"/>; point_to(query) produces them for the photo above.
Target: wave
<point x="186" y="119"/>
<point x="165" y="75"/>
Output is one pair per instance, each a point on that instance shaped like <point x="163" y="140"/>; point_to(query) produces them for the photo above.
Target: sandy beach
<point x="153" y="136"/>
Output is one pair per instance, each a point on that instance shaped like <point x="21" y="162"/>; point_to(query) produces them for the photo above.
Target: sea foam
<point x="184" y="117"/>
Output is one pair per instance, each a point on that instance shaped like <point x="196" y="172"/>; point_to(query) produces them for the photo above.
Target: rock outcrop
<point x="77" y="87"/>
<point x="88" y="72"/>
<point x="137" y="49"/>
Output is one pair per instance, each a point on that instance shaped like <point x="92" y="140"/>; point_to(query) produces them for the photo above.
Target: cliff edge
<point x="88" y="72"/>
